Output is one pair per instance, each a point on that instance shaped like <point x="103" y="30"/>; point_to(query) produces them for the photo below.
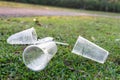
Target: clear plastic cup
<point x="89" y="50"/>
<point x="44" y="40"/>
<point x="28" y="36"/>
<point x="36" y="57"/>
<point x="48" y="39"/>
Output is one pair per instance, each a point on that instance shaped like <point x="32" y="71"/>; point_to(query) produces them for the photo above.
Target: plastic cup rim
<point x="44" y="51"/>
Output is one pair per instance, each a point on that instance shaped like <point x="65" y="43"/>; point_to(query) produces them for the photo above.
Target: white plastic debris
<point x="39" y="53"/>
<point x="44" y="40"/>
<point x="28" y="36"/>
<point x="61" y="43"/>
<point x="49" y="39"/>
<point x="36" y="57"/>
<point x="89" y="50"/>
<point x="117" y="40"/>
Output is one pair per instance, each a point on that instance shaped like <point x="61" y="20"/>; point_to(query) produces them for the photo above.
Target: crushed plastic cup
<point x="48" y="39"/>
<point x="36" y="57"/>
<point x="28" y="36"/>
<point x="89" y="50"/>
<point x="44" y="40"/>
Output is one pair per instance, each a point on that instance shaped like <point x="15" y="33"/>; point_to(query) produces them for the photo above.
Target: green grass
<point x="23" y="5"/>
<point x="64" y="65"/>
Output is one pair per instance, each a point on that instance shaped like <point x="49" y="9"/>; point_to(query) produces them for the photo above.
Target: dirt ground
<point x="20" y="12"/>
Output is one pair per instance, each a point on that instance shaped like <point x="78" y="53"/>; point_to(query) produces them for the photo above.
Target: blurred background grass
<point x="97" y="5"/>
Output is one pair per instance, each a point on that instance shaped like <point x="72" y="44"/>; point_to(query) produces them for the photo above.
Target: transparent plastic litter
<point x="36" y="57"/>
<point x="44" y="40"/>
<point x="61" y="43"/>
<point x="89" y="50"/>
<point x="40" y="52"/>
<point x="28" y="36"/>
<point x="117" y="40"/>
<point x="49" y="39"/>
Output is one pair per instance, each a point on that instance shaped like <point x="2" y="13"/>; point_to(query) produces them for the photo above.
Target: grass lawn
<point x="65" y="65"/>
